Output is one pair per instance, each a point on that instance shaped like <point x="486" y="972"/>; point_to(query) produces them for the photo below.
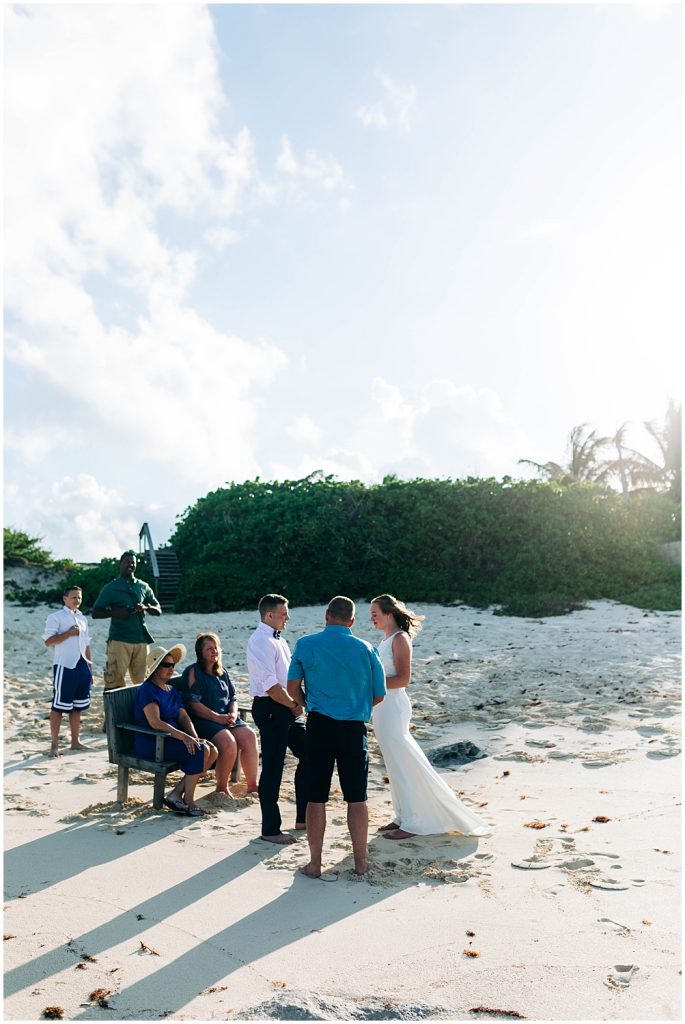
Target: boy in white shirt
<point x="66" y="631"/>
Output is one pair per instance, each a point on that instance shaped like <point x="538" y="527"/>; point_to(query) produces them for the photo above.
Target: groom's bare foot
<point x="54" y="752"/>
<point x="282" y="839"/>
<point x="387" y="828"/>
<point x="361" y="869"/>
<point x="311" y="870"/>
<point x="399" y="833"/>
<point x="79" y="746"/>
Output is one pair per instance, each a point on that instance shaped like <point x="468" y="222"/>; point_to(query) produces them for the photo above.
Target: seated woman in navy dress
<point x="159" y="706"/>
<point x="211" y="701"/>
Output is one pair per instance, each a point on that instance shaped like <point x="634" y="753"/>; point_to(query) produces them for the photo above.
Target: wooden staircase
<point x="164" y="567"/>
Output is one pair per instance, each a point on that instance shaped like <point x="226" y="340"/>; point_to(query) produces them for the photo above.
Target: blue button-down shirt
<point x="342" y="673"/>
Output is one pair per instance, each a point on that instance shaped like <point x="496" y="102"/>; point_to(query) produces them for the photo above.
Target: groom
<point x="343" y="678"/>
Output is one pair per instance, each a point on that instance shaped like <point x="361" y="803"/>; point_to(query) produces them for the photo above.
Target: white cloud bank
<point x="112" y="123"/>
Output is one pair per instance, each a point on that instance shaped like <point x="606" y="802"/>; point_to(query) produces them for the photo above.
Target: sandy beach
<point x="570" y="910"/>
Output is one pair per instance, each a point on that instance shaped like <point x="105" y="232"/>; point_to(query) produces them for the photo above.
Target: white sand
<point x="579" y="718"/>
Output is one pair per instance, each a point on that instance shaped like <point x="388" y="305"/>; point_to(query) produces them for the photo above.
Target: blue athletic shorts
<point x="71" y="687"/>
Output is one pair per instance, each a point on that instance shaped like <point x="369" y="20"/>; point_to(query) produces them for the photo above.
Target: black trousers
<point x="278" y="732"/>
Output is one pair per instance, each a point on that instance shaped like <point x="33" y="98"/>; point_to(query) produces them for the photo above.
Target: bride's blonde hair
<point x="406" y="619"/>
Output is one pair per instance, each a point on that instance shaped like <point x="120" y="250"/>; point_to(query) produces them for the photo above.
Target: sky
<point x="265" y="240"/>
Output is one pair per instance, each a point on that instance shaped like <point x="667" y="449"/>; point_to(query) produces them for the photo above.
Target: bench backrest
<point x="119" y="707"/>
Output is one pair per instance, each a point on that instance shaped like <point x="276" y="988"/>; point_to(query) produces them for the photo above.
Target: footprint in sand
<point x="622" y="929"/>
<point x="621" y="976"/>
<point x="531" y="864"/>
<point x="610" y="884"/>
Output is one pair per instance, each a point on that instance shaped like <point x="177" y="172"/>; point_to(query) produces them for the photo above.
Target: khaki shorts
<point x="121" y="658"/>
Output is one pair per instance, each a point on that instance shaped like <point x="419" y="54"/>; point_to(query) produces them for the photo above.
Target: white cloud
<point x="304" y="430"/>
<point x="35" y="443"/>
<point x="395" y="109"/>
<point x="81" y="518"/>
<point x="312" y="173"/>
<point x="114" y="119"/>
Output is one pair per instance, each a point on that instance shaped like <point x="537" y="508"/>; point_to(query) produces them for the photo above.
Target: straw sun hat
<point x="158" y="653"/>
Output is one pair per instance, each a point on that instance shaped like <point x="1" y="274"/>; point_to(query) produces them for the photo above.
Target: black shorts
<point x="330" y="743"/>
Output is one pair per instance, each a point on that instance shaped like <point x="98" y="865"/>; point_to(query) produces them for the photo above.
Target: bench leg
<point x="235" y="770"/>
<point x="159" y="792"/>
<point x="122" y="784"/>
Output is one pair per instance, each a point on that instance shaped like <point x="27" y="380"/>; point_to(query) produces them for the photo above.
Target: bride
<point x="422" y="802"/>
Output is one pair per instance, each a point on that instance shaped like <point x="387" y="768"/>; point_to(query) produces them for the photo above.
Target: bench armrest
<point x="159" y="736"/>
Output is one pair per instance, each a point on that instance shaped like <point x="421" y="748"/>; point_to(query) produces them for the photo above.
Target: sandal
<point x="175" y="805"/>
<point x="196" y="812"/>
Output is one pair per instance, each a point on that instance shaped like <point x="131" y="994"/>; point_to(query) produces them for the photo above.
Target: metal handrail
<point x="144" y="536"/>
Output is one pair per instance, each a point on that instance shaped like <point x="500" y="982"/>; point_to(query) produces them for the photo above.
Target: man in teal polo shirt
<point x="126" y="600"/>
<point x="343" y="678"/>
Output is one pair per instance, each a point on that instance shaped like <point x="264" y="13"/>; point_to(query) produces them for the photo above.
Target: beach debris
<point x="148" y="949"/>
<point x="657" y="850"/>
<point x="535" y="824"/>
<point x="80" y="967"/>
<point x="471" y="934"/>
<point x="455" y="754"/>
<point x="140" y="917"/>
<point x="645" y="921"/>
<point x="601" y="818"/>
<point x="386" y="779"/>
<point x="279" y="984"/>
<point x="90" y="959"/>
<point x="7" y="936"/>
<point x="505" y="773"/>
<point x="53" y="1013"/>
<point x="99" y="996"/>
<point x="471" y="952"/>
<point x="218" y="988"/>
<point x="484" y="804"/>
<point x="497" y="1013"/>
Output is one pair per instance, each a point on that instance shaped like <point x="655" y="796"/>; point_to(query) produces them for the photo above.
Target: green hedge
<point x="518" y="544"/>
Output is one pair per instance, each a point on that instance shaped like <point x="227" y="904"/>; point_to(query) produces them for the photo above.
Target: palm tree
<point x="583" y="462"/>
<point x="666" y="474"/>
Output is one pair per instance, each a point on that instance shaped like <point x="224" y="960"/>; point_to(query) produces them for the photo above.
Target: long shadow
<point x="17" y="766"/>
<point x="76" y="848"/>
<point x="293" y="915"/>
<point x="127" y="924"/>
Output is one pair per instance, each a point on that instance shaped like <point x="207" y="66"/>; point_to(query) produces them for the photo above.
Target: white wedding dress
<point x="422" y="801"/>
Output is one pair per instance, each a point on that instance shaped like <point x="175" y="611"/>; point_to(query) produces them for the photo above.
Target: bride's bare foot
<point x="79" y="746"/>
<point x="399" y="833"/>
<point x="388" y="828"/>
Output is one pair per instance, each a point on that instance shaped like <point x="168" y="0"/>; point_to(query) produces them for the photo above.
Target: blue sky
<point x="269" y="239"/>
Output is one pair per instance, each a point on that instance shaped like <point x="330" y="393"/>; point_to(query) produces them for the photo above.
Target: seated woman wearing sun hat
<point x="159" y="706"/>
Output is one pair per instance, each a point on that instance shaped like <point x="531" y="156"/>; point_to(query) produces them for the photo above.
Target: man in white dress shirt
<point x="279" y="718"/>
<point x="66" y="631"/>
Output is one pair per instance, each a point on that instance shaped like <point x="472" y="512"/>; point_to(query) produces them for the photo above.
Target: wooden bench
<point x="121" y="729"/>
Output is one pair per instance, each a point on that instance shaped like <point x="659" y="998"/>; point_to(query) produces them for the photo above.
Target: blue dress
<point x="216" y="692"/>
<point x="170" y="703"/>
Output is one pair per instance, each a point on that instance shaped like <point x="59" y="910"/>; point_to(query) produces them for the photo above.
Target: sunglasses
<point x="167" y="664"/>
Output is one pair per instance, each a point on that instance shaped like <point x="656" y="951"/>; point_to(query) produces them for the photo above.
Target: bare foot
<point x="54" y="752"/>
<point x="223" y="792"/>
<point x="79" y="746"/>
<point x="362" y="869"/>
<point x="282" y="839"/>
<point x="250" y="790"/>
<point x="311" y="871"/>
<point x="300" y="826"/>
<point x="388" y="828"/>
<point x="399" y="833"/>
